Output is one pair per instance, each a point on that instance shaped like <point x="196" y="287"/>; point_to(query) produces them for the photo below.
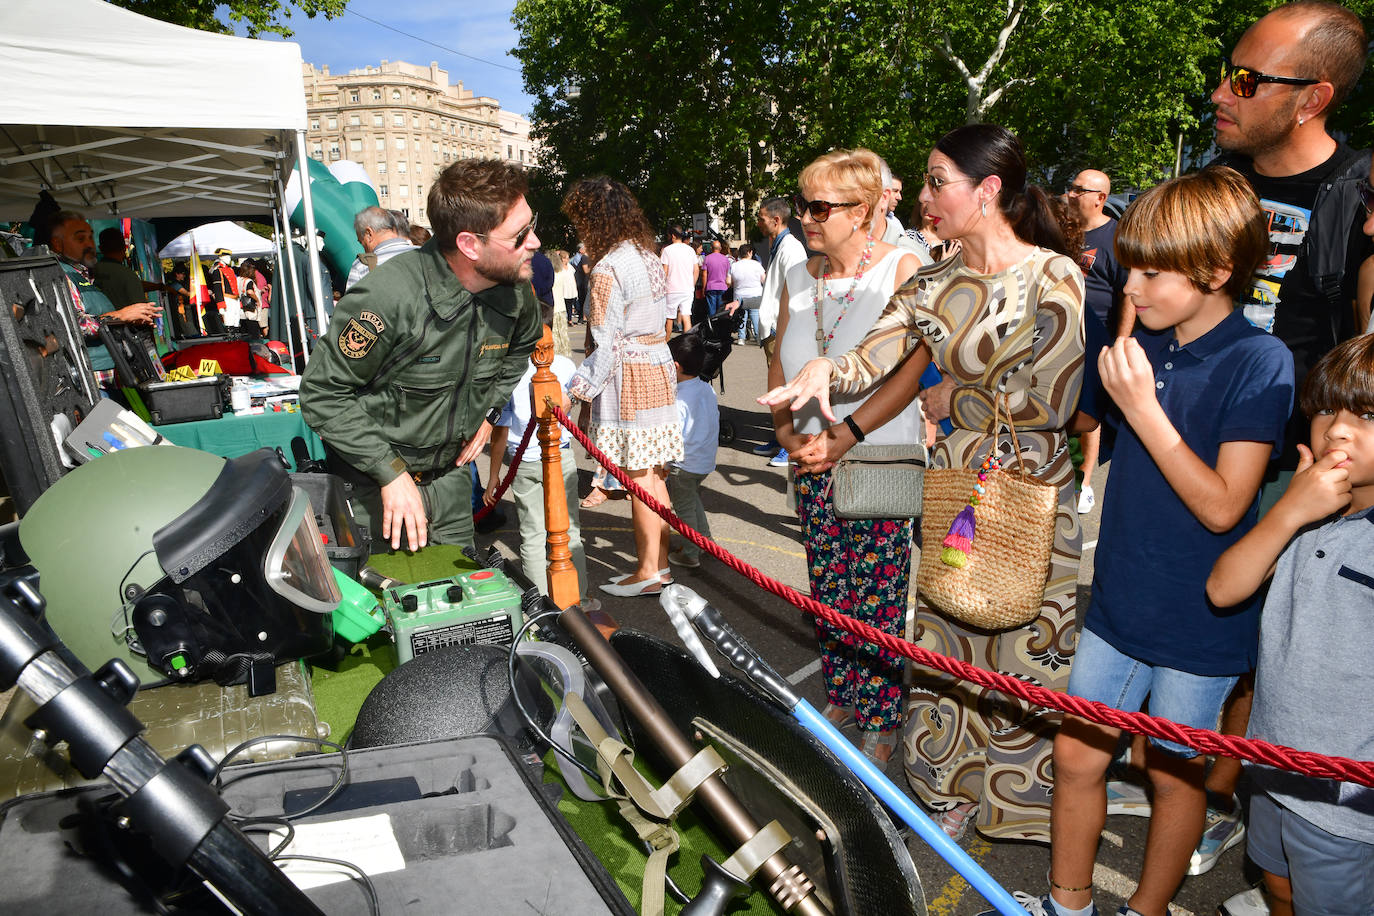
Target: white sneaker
<point x="1223" y="830"/>
<point x="1127" y="798"/>
<point x="1086" y="499"/>
<point x="1246" y="903"/>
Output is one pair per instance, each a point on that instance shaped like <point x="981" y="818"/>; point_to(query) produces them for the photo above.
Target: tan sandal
<point x="878" y="747"/>
<point x="838" y="716"/>
<point x="594" y="498"/>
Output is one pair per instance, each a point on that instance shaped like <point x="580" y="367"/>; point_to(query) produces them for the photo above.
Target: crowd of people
<point x="1210" y="344"/>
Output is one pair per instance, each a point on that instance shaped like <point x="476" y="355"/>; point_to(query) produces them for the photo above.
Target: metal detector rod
<point x="684" y="605"/>
<point x="786" y="882"/>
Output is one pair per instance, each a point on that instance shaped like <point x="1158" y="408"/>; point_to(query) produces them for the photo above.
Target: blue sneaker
<point x="1125" y="797"/>
<point x="779" y="460"/>
<point x="1036" y="906"/>
<point x="767" y="448"/>
<point x="1223" y="830"/>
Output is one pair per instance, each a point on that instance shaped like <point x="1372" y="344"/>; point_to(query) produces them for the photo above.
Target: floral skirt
<point x="859" y="567"/>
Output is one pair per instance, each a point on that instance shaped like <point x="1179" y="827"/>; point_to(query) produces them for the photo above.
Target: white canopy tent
<point x="117" y="114"/>
<point x="213" y="236"/>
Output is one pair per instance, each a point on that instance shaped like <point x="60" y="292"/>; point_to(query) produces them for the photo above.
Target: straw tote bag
<point x="986" y="539"/>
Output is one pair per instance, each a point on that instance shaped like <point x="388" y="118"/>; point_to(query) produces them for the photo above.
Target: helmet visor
<point x="295" y="566"/>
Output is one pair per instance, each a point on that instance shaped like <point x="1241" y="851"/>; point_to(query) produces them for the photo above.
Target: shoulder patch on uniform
<point x="356" y="339"/>
<point x="373" y="319"/>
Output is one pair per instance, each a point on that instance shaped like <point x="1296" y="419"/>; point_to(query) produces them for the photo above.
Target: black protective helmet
<point x="187" y="566"/>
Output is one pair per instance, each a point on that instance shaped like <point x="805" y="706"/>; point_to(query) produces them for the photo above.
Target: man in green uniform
<point x="423" y="353"/>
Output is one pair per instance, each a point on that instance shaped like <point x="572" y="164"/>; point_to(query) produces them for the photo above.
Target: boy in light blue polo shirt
<point x="699" y="413"/>
<point x="1204" y="398"/>
<point x="1314" y="838"/>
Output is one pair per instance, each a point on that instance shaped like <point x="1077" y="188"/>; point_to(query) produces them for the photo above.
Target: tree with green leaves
<point x="690" y="103"/>
<point x="256" y="16"/>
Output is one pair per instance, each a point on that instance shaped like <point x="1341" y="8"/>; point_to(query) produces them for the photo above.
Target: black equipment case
<point x="141" y="375"/>
<point x="46" y="383"/>
<point x="475" y="830"/>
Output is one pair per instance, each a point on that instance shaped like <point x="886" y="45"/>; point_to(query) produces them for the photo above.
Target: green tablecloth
<point x="233" y="435"/>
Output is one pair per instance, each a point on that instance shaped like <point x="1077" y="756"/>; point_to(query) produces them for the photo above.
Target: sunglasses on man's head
<point x="1367" y="197"/>
<point x="1244" y="81"/>
<point x="819" y="209"/>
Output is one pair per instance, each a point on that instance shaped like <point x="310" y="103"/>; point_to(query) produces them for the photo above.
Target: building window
<point x="317" y="151"/>
<point x="510" y="154"/>
<point x="401" y="166"/>
<point x="401" y="143"/>
<point x="333" y="123"/>
<point x="434" y="147"/>
<point x="355" y="121"/>
<point x="395" y="95"/>
<point x="381" y="168"/>
<point x="422" y="213"/>
<point x="382" y="191"/>
<point x="405" y="211"/>
<point x="414" y="95"/>
<point x="377" y="119"/>
<point x="333" y="151"/>
<point x="402" y="190"/>
<point x="446" y="155"/>
<point x="376" y="95"/>
<point x="381" y="144"/>
<point x="415" y="122"/>
<point x="355" y="146"/>
<point x="353" y="96"/>
<point x="314" y="123"/>
<point x="399" y="120"/>
<point x="522" y="155"/>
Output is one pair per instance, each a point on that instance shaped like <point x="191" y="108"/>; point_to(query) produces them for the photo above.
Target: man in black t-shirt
<point x="1103" y="279"/>
<point x="1286" y="75"/>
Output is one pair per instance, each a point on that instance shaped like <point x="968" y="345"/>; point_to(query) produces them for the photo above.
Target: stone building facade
<point x="403" y="123"/>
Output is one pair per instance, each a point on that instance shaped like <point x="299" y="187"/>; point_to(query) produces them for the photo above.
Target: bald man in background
<point x="1103" y="278"/>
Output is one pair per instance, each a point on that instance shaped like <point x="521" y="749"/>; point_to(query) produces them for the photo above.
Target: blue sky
<point x="480" y="28"/>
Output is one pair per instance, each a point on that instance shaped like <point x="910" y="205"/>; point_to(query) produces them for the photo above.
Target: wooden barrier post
<point x="563" y="587"/>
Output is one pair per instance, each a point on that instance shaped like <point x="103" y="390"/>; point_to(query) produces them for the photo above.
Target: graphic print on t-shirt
<point x="1287" y="228"/>
<point x="1086" y="258"/>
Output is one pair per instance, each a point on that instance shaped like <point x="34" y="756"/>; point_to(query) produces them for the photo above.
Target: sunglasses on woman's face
<point x="819" y="209"/>
<point x="1245" y="82"/>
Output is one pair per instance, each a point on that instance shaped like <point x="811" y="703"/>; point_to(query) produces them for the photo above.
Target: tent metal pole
<point x="290" y="247"/>
<point x="311" y="251"/>
<point x="282" y="241"/>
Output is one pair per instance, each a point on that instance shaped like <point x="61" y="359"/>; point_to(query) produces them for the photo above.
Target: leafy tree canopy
<point x="256" y="16"/>
<point x="690" y="102"/>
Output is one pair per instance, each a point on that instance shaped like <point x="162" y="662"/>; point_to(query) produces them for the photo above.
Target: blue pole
<point x="906" y="809"/>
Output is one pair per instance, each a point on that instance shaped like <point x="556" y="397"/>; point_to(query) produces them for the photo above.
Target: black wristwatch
<point x="493" y="415"/>
<point x="854" y="428"/>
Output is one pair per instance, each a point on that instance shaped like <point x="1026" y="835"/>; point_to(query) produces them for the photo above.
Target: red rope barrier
<point x="1208" y="742"/>
<point x="510" y="474"/>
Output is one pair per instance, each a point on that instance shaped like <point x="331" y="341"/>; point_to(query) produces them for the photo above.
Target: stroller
<point x="717" y="335"/>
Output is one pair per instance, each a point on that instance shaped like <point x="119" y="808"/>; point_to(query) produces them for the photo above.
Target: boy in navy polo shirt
<point x="1204" y="396"/>
<point x="1314" y="838"/>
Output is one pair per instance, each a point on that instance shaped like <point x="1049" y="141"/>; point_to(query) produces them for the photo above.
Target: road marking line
<point x="947" y="901"/>
<point x="801" y="674"/>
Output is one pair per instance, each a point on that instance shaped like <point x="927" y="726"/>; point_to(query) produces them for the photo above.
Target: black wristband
<point x="493" y="415"/>
<point x="854" y="428"/>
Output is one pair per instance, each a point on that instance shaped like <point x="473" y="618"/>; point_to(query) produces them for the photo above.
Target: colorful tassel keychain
<point x="958" y="544"/>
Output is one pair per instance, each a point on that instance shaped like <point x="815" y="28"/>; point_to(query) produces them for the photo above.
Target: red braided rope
<point x="1208" y="742"/>
<point x="510" y="474"/>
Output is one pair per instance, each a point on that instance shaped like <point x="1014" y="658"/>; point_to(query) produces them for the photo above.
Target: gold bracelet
<point x="1073" y="890"/>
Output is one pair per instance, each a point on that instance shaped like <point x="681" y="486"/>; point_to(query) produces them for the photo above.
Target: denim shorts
<point x="1102" y="673"/>
<point x="1330" y="874"/>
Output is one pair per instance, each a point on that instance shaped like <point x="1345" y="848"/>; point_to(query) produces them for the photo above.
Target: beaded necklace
<point x="823" y="283"/>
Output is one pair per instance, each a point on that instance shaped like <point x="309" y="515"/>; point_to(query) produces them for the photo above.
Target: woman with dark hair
<point x="628" y="380"/>
<point x="1003" y="318"/>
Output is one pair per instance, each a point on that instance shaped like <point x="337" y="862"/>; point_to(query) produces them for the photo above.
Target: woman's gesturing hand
<point x="813" y="381"/>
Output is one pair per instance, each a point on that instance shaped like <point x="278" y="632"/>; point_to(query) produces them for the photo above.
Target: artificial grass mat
<point x="340" y="692"/>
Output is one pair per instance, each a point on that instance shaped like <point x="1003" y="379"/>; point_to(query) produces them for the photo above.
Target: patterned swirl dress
<point x="1019" y="331"/>
<point x="629" y="377"/>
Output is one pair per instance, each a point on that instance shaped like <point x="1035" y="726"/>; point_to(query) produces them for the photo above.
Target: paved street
<point x="746" y="502"/>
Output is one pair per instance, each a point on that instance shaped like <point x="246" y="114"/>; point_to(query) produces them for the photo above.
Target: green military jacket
<point x="413" y="362"/>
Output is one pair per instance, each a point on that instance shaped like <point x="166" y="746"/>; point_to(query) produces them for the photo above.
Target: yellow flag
<point x="199" y="293"/>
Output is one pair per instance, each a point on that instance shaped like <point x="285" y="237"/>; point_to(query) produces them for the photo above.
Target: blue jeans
<point x="714" y="297"/>
<point x="750" y="307"/>
<point x="1102" y="673"/>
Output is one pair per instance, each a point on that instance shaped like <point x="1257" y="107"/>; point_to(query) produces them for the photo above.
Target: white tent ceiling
<point x="213" y="236"/>
<point x="116" y="113"/>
